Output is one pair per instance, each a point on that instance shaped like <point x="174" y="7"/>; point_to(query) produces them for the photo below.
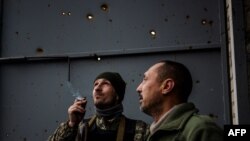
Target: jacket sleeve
<point x="210" y="133"/>
<point x="64" y="133"/>
<point x="203" y="128"/>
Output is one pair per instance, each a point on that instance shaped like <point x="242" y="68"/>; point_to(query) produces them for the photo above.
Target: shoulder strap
<point x="121" y="129"/>
<point x="91" y="121"/>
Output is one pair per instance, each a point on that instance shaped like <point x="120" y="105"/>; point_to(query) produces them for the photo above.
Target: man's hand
<point x="77" y="111"/>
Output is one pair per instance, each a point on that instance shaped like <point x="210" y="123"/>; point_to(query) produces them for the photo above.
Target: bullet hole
<point x="190" y="47"/>
<point x="97" y="58"/>
<point x="89" y="17"/>
<point x="197" y="81"/>
<point x="48" y="5"/>
<point x="152" y="33"/>
<point x="39" y="50"/>
<point x="187" y="17"/>
<point x="17" y="33"/>
<point x="66" y="13"/>
<point x="209" y="42"/>
<point x="45" y="130"/>
<point x="63" y="13"/>
<point x="166" y="19"/>
<point x="205" y="9"/>
<point x="203" y="22"/>
<point x="104" y="7"/>
<point x="24" y="139"/>
<point x="110" y="20"/>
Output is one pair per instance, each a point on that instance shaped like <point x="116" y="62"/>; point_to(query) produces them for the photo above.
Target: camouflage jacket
<point x="66" y="133"/>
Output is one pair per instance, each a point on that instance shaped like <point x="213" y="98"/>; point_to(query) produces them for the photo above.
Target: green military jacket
<point x="66" y="133"/>
<point x="185" y="124"/>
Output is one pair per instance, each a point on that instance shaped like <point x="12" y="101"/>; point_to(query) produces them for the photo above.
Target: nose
<point x="97" y="87"/>
<point x="138" y="89"/>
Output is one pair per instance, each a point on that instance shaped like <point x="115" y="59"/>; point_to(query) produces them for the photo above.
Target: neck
<point x="110" y="112"/>
<point x="157" y="115"/>
<point x="164" y="108"/>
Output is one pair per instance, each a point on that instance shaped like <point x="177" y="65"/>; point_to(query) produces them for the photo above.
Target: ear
<point x="167" y="86"/>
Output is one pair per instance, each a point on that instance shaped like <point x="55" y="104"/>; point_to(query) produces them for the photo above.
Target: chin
<point x="144" y="110"/>
<point x="98" y="103"/>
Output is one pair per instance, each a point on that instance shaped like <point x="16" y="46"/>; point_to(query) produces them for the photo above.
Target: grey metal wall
<point x="46" y="43"/>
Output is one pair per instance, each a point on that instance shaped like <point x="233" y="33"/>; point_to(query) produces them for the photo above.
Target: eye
<point x="106" y="83"/>
<point x="96" y="83"/>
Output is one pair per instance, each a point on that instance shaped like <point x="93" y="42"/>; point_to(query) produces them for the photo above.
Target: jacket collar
<point x="178" y="117"/>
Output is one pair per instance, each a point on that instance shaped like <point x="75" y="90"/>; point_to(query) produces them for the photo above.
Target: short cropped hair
<point x="180" y="74"/>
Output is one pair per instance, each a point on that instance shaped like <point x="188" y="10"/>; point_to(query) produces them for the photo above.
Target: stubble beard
<point x="152" y="107"/>
<point x="103" y="105"/>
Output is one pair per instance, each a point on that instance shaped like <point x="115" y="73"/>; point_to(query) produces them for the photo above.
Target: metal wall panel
<point x="48" y="27"/>
<point x="31" y="95"/>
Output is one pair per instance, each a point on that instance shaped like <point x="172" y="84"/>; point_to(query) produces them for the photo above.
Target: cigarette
<point x="80" y="98"/>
